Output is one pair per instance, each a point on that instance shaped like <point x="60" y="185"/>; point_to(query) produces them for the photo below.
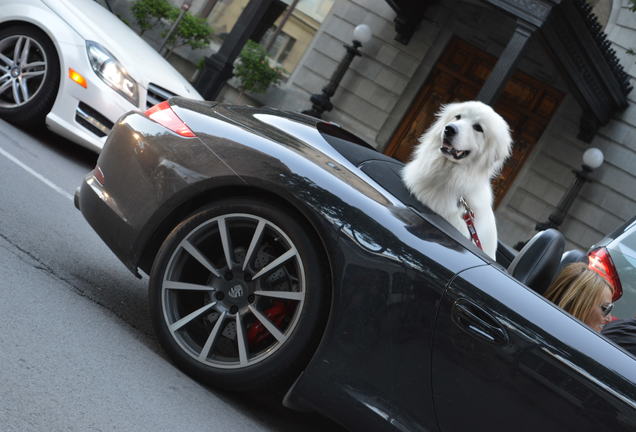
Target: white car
<point x="76" y="67"/>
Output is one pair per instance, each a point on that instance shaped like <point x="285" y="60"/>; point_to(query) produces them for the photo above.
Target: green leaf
<point x="147" y="13"/>
<point x="193" y="31"/>
<point x="253" y="71"/>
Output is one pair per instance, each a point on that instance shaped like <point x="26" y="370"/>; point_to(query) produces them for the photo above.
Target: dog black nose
<point x="450" y="131"/>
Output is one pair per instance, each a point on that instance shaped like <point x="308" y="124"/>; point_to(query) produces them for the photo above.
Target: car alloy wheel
<point x="236" y="294"/>
<point x="29" y="74"/>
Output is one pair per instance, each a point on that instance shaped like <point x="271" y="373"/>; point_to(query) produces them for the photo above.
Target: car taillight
<point x="601" y="262"/>
<point x="99" y="176"/>
<point x="166" y="117"/>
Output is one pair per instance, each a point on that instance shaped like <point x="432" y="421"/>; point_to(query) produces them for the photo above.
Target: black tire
<point x="28" y="90"/>
<point x="291" y="295"/>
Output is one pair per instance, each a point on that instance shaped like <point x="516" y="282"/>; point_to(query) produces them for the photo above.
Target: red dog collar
<point x="469" y="218"/>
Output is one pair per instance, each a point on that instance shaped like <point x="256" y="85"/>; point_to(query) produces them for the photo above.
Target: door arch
<point x="526" y="103"/>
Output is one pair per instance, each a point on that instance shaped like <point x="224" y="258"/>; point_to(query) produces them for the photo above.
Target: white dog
<point x="452" y="167"/>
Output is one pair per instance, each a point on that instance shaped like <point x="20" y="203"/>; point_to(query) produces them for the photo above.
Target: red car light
<point x="601" y="262"/>
<point x="166" y="117"/>
<point x="99" y="176"/>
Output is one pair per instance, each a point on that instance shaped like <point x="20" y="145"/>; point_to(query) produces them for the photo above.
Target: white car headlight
<point x="113" y="73"/>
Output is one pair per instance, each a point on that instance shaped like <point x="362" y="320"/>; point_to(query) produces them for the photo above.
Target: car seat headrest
<point x="537" y="263"/>
<point x="572" y="256"/>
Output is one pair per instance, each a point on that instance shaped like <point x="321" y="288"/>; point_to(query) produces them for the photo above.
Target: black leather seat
<point x="537" y="263"/>
<point x="572" y="256"/>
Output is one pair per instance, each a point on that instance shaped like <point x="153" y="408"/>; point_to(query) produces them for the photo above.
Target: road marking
<point x="35" y="174"/>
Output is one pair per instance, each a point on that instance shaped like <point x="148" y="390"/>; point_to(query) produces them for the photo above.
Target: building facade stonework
<point x="379" y="89"/>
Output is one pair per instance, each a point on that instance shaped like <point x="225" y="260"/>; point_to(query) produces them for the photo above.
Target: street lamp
<point x="185" y="6"/>
<point x="321" y="102"/>
<point x="592" y="159"/>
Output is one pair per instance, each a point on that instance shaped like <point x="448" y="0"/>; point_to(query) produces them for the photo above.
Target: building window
<point x="281" y="47"/>
<point x="297" y="32"/>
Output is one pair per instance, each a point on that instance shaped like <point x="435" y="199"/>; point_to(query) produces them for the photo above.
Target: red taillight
<point x="99" y="175"/>
<point x="601" y="262"/>
<point x="166" y="117"/>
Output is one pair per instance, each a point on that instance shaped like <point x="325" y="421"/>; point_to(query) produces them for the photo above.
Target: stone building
<point x="560" y="89"/>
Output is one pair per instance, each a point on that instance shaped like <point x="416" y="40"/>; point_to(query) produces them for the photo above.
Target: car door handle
<point x="477" y="322"/>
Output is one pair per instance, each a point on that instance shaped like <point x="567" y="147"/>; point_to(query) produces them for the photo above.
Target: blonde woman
<point x="582" y="293"/>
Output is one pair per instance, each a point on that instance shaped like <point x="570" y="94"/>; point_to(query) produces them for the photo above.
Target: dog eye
<point x="458" y="117"/>
<point x="477" y="127"/>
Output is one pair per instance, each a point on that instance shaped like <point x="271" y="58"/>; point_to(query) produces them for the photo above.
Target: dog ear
<point x="500" y="152"/>
<point x="501" y="143"/>
<point x="435" y="129"/>
<point x="445" y="108"/>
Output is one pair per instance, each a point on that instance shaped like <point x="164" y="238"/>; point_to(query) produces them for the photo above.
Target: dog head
<point x="470" y="133"/>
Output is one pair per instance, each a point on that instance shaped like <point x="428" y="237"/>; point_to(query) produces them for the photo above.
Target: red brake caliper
<point x="275" y="314"/>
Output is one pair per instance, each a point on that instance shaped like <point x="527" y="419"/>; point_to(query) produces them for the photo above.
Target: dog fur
<point x="457" y="157"/>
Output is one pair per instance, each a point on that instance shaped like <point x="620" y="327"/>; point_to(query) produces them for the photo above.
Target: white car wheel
<point x="29" y="74"/>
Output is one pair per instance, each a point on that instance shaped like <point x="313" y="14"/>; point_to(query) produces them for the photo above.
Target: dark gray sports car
<point x="285" y="252"/>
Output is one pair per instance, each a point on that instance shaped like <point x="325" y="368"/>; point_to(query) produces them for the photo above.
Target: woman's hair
<point x="577" y="290"/>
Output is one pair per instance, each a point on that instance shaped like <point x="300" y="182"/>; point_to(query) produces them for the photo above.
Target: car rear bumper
<point x="103" y="215"/>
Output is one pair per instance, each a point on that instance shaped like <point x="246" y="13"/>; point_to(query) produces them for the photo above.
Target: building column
<point x="218" y="67"/>
<point x="506" y="63"/>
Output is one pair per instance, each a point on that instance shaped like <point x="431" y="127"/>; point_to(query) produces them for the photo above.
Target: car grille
<point x="156" y="95"/>
<point x="92" y="120"/>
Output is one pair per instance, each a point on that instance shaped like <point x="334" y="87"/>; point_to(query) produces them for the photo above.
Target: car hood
<point x="142" y="61"/>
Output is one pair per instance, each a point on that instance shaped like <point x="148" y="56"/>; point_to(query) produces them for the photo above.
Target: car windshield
<point x="623" y="253"/>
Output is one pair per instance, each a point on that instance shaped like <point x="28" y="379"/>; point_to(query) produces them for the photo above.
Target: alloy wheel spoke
<point x="209" y="343"/>
<point x="255" y="239"/>
<point x="7" y="84"/>
<point x="287" y="295"/>
<point x="17" y="49"/>
<point x="32" y="74"/>
<point x="24" y="89"/>
<point x="16" y="92"/>
<point x="24" y="50"/>
<point x="186" y="319"/>
<point x="173" y="285"/>
<point x="240" y="340"/>
<point x="226" y="241"/>
<point x="271" y="328"/>
<point x="7" y="61"/>
<point x="278" y="261"/>
<point x="196" y="254"/>
<point x="33" y="65"/>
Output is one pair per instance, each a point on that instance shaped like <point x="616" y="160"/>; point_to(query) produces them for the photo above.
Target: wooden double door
<point x="526" y="103"/>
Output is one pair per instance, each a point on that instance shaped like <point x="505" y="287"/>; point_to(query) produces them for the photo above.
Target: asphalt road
<point x="77" y="352"/>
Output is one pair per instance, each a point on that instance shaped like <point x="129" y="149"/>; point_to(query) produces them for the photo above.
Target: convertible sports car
<point x="284" y="252"/>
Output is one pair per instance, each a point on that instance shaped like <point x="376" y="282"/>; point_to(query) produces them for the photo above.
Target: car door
<point x="504" y="358"/>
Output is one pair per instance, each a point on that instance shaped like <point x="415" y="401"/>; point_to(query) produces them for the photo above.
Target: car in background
<point x="75" y="66"/>
<point x="614" y="258"/>
<point x="284" y="253"/>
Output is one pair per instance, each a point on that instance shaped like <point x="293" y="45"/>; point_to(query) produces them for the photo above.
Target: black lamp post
<point x="218" y="67"/>
<point x="320" y="102"/>
<point x="185" y="6"/>
<point x="592" y="159"/>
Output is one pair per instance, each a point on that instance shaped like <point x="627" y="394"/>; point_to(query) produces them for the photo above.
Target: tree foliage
<point x="148" y="13"/>
<point x="253" y="70"/>
<point x="192" y="31"/>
